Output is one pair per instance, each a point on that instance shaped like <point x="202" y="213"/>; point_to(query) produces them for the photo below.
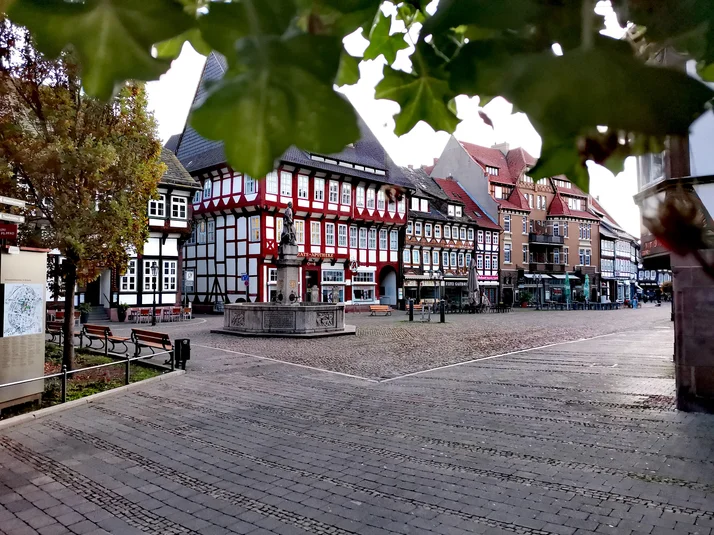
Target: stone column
<point x="693" y="333"/>
<point x="288" y="274"/>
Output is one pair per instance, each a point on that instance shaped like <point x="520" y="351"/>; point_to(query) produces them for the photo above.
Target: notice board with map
<point x="23" y="309"/>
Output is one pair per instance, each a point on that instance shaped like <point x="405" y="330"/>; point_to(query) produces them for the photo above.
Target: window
<point x="212" y="231"/>
<point x="453" y="260"/>
<point x="471" y="234"/>
<point x="169" y="275"/>
<point x="455" y="232"/>
<point x="480" y="236"/>
<point x="445" y="258"/>
<point x="565" y="256"/>
<point x="254" y="228"/>
<point x="462" y="233"/>
<point x="333" y="275"/>
<point x="197" y="197"/>
<point x="417" y="228"/>
<point x="461" y="260"/>
<point x="415" y="257"/>
<point x="495" y="238"/>
<point x="334" y="191"/>
<point x="492" y="170"/>
<point x="363" y="276"/>
<point x="507" y="253"/>
<point x="407" y="256"/>
<point x="488" y="238"/>
<point x="437" y="231"/>
<point x="300" y="232"/>
<point x="427" y="230"/>
<point x="415" y="204"/>
<point x="359" y="197"/>
<point x="383" y="239"/>
<point x="525" y="225"/>
<point x="451" y="210"/>
<point x="565" y="229"/>
<point x="447" y="233"/>
<point x="479" y="262"/>
<point x="401" y="206"/>
<point x="529" y="180"/>
<point x="192" y="238"/>
<point x="467" y="260"/>
<point x="315" y="237"/>
<point x="392" y="206"/>
<point x="531" y="198"/>
<point x="353" y="237"/>
<point x="149" y="279"/>
<point x="507" y="223"/>
<point x="587" y="257"/>
<point x="319" y="184"/>
<point x="271" y="183"/>
<point x="424" y="205"/>
<point x="179" y="207"/>
<point x="286" y="184"/>
<point x="380" y="200"/>
<point x="333" y="294"/>
<point x="582" y="257"/>
<point x="372" y="244"/>
<point x="409" y="227"/>
<point x="157" y="207"/>
<point x="394" y="240"/>
<point x="278" y="228"/>
<point x="488" y="263"/>
<point x="207" y="189"/>
<point x="303" y="187"/>
<point x="251" y="185"/>
<point x="525" y="254"/>
<point x="427" y="257"/>
<point x="363" y="294"/>
<point x="346" y="194"/>
<point x="201" y="232"/>
<point x="459" y="211"/>
<point x="342" y="235"/>
<point x="363" y="238"/>
<point x="498" y="192"/>
<point x="435" y="258"/>
<point x="494" y="262"/>
<point x="556" y="229"/>
<point x="370" y="198"/>
<point x="330" y="234"/>
<point x="128" y="280"/>
<point x="272" y="275"/>
<point x="556" y="256"/>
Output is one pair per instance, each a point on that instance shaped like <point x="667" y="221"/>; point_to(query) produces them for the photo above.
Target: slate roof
<point x="423" y="183"/>
<point x="197" y="153"/>
<point x="176" y="174"/>
<point x="472" y="210"/>
<point x="172" y="142"/>
<point x="432" y="214"/>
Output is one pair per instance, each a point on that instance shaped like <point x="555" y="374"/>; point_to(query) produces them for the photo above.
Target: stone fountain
<point x="287" y="316"/>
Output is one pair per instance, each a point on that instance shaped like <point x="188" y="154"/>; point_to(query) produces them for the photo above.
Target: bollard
<point x="442" y="312"/>
<point x="183" y="352"/>
<point x="64" y="383"/>
<point x="127" y="372"/>
<point x="411" y="310"/>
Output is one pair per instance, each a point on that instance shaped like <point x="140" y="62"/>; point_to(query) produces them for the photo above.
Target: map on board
<point x="23" y="309"/>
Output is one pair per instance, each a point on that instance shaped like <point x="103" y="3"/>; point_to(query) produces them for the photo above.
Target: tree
<point x="86" y="167"/>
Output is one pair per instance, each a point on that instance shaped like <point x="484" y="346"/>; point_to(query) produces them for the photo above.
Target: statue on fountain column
<point x="288" y="235"/>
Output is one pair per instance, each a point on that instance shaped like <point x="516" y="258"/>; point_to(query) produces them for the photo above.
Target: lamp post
<point x="538" y="279"/>
<point x="154" y="275"/>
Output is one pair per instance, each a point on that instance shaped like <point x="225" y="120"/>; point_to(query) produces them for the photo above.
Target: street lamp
<point x="538" y="279"/>
<point x="154" y="275"/>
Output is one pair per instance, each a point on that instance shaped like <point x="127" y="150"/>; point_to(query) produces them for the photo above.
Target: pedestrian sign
<point x="244" y="277"/>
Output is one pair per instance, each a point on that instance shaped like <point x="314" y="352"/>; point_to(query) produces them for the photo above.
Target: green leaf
<point x="225" y="24"/>
<point x="120" y="51"/>
<point x="348" y="72"/>
<point x="560" y="156"/>
<point x="5" y="5"/>
<point x="500" y="14"/>
<point x="381" y="43"/>
<point x="281" y="95"/>
<point x="171" y="48"/>
<point x="411" y="12"/>
<point x="339" y="17"/>
<point x="422" y="95"/>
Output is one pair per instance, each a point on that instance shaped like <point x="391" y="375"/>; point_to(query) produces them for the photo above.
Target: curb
<point x="41" y="413"/>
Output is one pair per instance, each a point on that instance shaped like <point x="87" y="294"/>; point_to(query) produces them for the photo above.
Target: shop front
<point x="456" y="290"/>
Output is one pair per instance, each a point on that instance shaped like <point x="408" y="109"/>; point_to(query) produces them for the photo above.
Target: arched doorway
<point x="388" y="286"/>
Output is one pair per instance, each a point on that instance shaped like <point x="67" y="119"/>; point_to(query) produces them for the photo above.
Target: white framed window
<point x="303" y="187"/>
<point x="380" y="200"/>
<point x="179" y="207"/>
<point x="201" y="232"/>
<point x="556" y="229"/>
<point x="237" y="182"/>
<point x="498" y="192"/>
<point x="480" y="236"/>
<point x="383" y="242"/>
<point x="330" y="234"/>
<point x="169" y="282"/>
<point x="363" y="294"/>
<point x="391" y="206"/>
<point x="587" y="257"/>
<point x="455" y="233"/>
<point x="128" y="279"/>
<point x="462" y="233"/>
<point x="427" y="257"/>
<point x="370" y="198"/>
<point x="459" y="211"/>
<point x="479" y="262"/>
<point x="565" y="256"/>
<point x="488" y="238"/>
<point x="342" y="235"/>
<point x="507" y="223"/>
<point x="437" y="232"/>
<point x="453" y="260"/>
<point x="507" y="253"/>
<point x="417" y="228"/>
<point x="353" y="237"/>
<point x="346" y="194"/>
<point x="251" y="185"/>
<point x="254" y="228"/>
<point x="447" y="233"/>
<point x="334" y="191"/>
<point x="362" y="238"/>
<point x="197" y="197"/>
<point x="359" y="197"/>
<point x="319" y="185"/>
<point x="487" y="265"/>
<point x="315" y="235"/>
<point x="470" y="234"/>
<point x="415" y="204"/>
<point x="149" y="279"/>
<point x="271" y="183"/>
<point x="286" y="184"/>
<point x="424" y="205"/>
<point x="525" y="225"/>
<point x="445" y="258"/>
<point x="525" y="254"/>
<point x="211" y="232"/>
<point x="207" y="189"/>
<point x="394" y="240"/>
<point x="157" y="207"/>
<point x="300" y="232"/>
<point x="494" y="262"/>
<point x="407" y="256"/>
<point x="461" y="260"/>
<point x="372" y="244"/>
<point x="410" y="228"/>
<point x="495" y="238"/>
<point x="194" y="233"/>
<point x="272" y="276"/>
<point x="427" y="230"/>
<point x="492" y="170"/>
<point x="363" y="276"/>
<point x="401" y="206"/>
<point x="416" y="257"/>
<point x="435" y="258"/>
<point x="556" y="256"/>
<point x="451" y="210"/>
<point x="467" y="260"/>
<point x="333" y="275"/>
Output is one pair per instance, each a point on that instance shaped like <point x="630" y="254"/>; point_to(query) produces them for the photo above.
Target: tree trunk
<point x="70" y="282"/>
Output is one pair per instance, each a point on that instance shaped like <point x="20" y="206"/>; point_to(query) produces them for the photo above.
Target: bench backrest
<point x="54" y="325"/>
<point x="97" y="330"/>
<point x="141" y="335"/>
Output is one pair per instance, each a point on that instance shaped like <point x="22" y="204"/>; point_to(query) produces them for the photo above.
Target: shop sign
<point x="8" y="232"/>
<point x="428" y="283"/>
<point x="316" y="255"/>
<point x="410" y="283"/>
<point x="488" y="277"/>
<point x="456" y="283"/>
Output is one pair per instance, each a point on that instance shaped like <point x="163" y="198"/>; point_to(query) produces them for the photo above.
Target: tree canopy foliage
<point x="87" y="168"/>
<point x="285" y="56"/>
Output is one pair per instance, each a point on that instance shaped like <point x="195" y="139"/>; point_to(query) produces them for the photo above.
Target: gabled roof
<point x="510" y="166"/>
<point x="176" y="174"/>
<point x="516" y="201"/>
<point x="558" y="207"/>
<point x="471" y="210"/>
<point x="172" y="142"/>
<point x="518" y="160"/>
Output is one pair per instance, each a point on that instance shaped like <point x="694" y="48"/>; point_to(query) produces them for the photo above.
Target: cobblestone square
<point x="577" y="437"/>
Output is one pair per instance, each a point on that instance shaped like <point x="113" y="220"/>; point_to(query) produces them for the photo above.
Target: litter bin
<point x="182" y="351"/>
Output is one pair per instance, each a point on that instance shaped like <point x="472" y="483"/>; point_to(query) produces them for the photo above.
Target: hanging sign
<point x="8" y="231"/>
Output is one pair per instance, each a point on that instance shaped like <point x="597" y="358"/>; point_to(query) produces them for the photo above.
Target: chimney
<point x="410" y="166"/>
<point x="436" y="160"/>
<point x="503" y="147"/>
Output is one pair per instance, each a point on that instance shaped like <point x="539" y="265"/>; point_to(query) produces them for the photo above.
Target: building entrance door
<point x="93" y="293"/>
<point x="312" y="280"/>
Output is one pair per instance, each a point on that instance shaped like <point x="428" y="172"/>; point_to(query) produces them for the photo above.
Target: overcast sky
<point x="171" y="97"/>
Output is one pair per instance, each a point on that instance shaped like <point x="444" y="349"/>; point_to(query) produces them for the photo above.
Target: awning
<point x="532" y="276"/>
<point x="561" y="277"/>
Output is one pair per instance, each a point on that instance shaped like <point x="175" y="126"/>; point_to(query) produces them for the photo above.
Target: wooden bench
<point x="380" y="309"/>
<point x="153" y="341"/>
<point x="417" y="308"/>
<point x="104" y="335"/>
<point x="55" y="330"/>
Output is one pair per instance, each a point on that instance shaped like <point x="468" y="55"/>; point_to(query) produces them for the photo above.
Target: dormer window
<point x="452" y="210"/>
<point x="493" y="171"/>
<point x="458" y="211"/>
<point x="528" y="180"/>
<point x="424" y="205"/>
<point x="415" y="204"/>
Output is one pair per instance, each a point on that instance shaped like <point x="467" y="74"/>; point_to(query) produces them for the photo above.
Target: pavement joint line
<point x="289" y="363"/>
<point x="480" y="359"/>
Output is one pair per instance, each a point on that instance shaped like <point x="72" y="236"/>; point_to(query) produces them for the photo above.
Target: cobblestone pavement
<point x="577" y="438"/>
